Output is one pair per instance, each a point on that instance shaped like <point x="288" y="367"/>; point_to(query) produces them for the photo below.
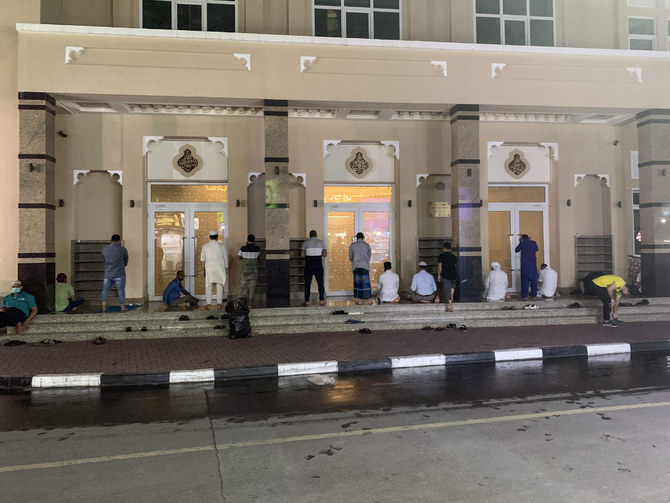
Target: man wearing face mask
<point x="18" y="309"/>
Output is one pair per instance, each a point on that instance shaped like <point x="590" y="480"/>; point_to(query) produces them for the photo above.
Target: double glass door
<point x="179" y="231"/>
<point x="507" y="222"/>
<point x="343" y="222"/>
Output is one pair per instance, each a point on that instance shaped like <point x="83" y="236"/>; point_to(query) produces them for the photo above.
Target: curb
<point x="327" y="367"/>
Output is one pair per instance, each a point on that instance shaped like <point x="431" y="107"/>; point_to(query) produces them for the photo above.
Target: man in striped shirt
<point x="313" y="250"/>
<point x="248" y="254"/>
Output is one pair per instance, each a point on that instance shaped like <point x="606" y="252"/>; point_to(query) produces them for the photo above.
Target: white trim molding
<point x="421" y="178"/>
<point x="328" y="143"/>
<point x="497" y="69"/>
<point x="635" y="73"/>
<point x="581" y="176"/>
<point x="395" y="145"/>
<point x="440" y="66"/>
<point x="78" y="172"/>
<point x="300" y="175"/>
<point x="148" y="139"/>
<point x="244" y="57"/>
<point x="306" y="63"/>
<point x="253" y="175"/>
<point x="491" y="145"/>
<point x="118" y="172"/>
<point x="223" y="141"/>
<point x="553" y="149"/>
<point x="71" y="53"/>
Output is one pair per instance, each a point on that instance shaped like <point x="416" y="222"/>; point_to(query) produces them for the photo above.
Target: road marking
<point x="324" y="436"/>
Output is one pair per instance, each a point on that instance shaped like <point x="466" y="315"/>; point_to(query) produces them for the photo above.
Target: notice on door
<point x="439" y="210"/>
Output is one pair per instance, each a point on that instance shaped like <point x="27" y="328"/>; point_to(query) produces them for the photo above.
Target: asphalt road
<point x="567" y="430"/>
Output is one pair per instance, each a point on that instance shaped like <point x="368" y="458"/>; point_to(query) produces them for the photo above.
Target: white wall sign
<point x="213" y="159"/>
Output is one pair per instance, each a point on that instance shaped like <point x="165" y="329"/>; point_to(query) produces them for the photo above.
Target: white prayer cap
<point x="213" y="233"/>
<point x="495" y="265"/>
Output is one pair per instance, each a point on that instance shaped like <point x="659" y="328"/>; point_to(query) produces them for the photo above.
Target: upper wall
<point x="578" y="23"/>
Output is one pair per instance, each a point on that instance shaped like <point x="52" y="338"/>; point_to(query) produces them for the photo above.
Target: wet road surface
<point x="563" y="430"/>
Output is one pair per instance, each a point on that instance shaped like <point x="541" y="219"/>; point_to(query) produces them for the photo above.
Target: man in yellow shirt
<point x="609" y="289"/>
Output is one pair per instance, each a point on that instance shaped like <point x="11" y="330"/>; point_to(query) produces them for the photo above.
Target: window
<point x="641" y="33"/>
<point x="637" y="233"/>
<point x="378" y="19"/>
<point x="194" y="15"/>
<point x="645" y="4"/>
<point x="515" y="22"/>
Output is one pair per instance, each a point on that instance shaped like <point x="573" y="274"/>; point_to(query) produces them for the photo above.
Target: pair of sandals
<point x="508" y="308"/>
<point x="450" y="326"/>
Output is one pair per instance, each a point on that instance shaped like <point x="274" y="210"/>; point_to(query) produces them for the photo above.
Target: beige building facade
<point x="468" y="121"/>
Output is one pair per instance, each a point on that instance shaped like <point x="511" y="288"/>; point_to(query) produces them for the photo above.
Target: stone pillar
<point x="466" y="204"/>
<point x="37" y="197"/>
<point x="653" y="132"/>
<point x="277" y="258"/>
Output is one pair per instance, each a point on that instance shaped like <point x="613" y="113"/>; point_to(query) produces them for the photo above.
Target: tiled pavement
<point x="165" y="355"/>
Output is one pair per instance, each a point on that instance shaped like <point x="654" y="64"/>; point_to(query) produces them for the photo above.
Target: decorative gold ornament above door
<point x="359" y="164"/>
<point x="187" y="162"/>
<point x="516" y="165"/>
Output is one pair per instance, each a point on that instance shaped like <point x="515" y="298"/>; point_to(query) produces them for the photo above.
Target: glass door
<point x="343" y="222"/>
<point x="507" y="222"/>
<point x="177" y="232"/>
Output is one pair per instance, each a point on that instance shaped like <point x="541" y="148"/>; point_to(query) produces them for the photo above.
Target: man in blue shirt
<point x="423" y="286"/>
<point x="175" y="294"/>
<point x="528" y="249"/>
<point x="18" y="309"/>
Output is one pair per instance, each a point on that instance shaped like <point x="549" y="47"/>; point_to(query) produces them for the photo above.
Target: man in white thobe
<point x="214" y="258"/>
<point x="496" y="283"/>
<point x="548" y="281"/>
<point x="387" y="285"/>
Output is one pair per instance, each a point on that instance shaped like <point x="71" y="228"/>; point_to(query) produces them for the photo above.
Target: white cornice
<point x="327" y="41"/>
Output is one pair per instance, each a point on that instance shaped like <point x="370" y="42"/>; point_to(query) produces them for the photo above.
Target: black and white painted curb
<point x="328" y="367"/>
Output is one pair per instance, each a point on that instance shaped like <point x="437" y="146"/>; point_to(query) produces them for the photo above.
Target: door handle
<point x="195" y="259"/>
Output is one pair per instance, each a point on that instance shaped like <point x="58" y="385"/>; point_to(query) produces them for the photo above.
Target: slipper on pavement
<point x="129" y="329"/>
<point x="365" y="331"/>
<point x="99" y="340"/>
<point x="184" y="317"/>
<point x="14" y="342"/>
<point x="340" y="311"/>
<point x="575" y="304"/>
<point x="353" y="322"/>
<point x="219" y="327"/>
<point x="530" y="306"/>
<point x="643" y="302"/>
<point x="144" y="329"/>
<point x="463" y="328"/>
<point x="224" y="316"/>
<point x="427" y="328"/>
<point x="451" y="326"/>
<point x="211" y="317"/>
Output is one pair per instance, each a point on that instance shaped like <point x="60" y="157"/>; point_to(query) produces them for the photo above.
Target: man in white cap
<point x="423" y="286"/>
<point x="496" y="283"/>
<point x="214" y="258"/>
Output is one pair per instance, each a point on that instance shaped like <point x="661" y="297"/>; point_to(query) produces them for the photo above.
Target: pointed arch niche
<point x="256" y="205"/>
<point x="98" y="197"/>
<point x="433" y="189"/>
<point x="593" y="216"/>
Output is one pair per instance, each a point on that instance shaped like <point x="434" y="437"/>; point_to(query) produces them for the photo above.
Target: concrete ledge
<point x="615" y="351"/>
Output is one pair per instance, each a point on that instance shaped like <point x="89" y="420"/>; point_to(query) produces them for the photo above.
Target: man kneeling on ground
<point x="387" y="286"/>
<point x="423" y="286"/>
<point x="18" y="309"/>
<point x="175" y="294"/>
<point x="65" y="299"/>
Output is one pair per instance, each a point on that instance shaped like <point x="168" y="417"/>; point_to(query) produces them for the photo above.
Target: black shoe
<point x="575" y="304"/>
<point x="643" y="302"/>
<point x="365" y="331"/>
<point x="211" y="317"/>
<point x="184" y="317"/>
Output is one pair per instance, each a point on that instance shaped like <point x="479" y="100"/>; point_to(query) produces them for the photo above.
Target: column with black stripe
<point x="466" y="204"/>
<point x="37" y="208"/>
<point x="653" y="136"/>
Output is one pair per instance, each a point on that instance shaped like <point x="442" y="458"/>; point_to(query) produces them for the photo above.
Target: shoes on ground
<point x="365" y="331"/>
<point x="616" y="321"/>
<point x="340" y="311"/>
<point x="575" y="305"/>
<point x="211" y="317"/>
<point x="14" y="342"/>
<point x="184" y="317"/>
<point x="353" y="322"/>
<point x="451" y="326"/>
<point x="530" y="306"/>
<point x="609" y="323"/>
<point x="643" y="302"/>
<point x="463" y="328"/>
<point x="99" y="340"/>
<point x="427" y="328"/>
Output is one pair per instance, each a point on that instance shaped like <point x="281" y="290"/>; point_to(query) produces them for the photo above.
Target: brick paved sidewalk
<point x="165" y="355"/>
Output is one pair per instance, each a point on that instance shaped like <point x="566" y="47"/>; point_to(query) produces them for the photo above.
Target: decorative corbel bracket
<point x="491" y="145"/>
<point x="246" y="58"/>
<point x="580" y="177"/>
<point x="302" y="176"/>
<point x="78" y="172"/>
<point x="116" y="172"/>
<point x="148" y="139"/>
<point x="71" y="53"/>
<point x="306" y="63"/>
<point x="253" y="175"/>
<point x="421" y="178"/>
<point x="395" y="145"/>
<point x="441" y="66"/>
<point x="328" y="143"/>
<point x="496" y="69"/>
<point x="553" y="149"/>
<point x="223" y="141"/>
<point x="635" y="73"/>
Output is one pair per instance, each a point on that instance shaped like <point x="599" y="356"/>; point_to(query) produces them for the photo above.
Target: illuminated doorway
<point x="350" y="210"/>
<point x="513" y="211"/>
<point x="180" y="220"/>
